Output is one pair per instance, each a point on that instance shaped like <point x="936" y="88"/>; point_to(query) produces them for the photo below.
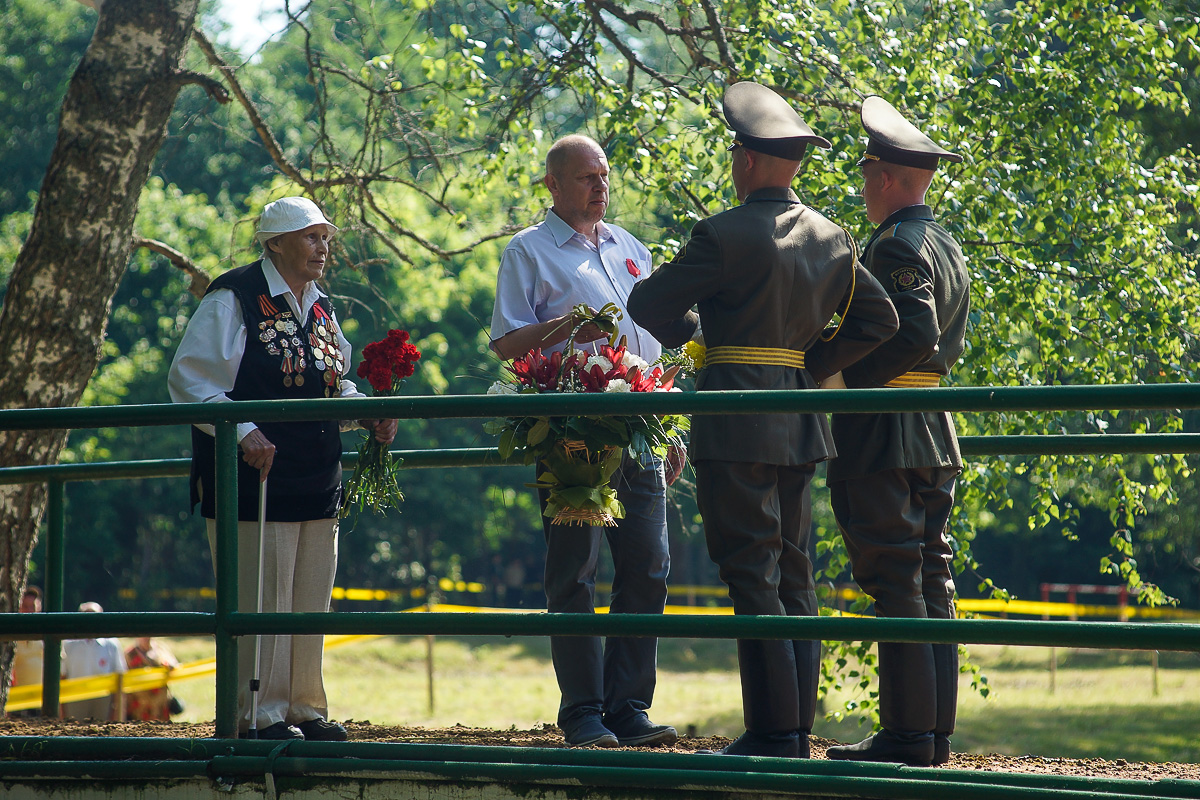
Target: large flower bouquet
<point x="580" y="454"/>
<point x="375" y="484"/>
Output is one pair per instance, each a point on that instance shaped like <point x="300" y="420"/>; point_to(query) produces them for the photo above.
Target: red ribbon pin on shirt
<point x="633" y="268"/>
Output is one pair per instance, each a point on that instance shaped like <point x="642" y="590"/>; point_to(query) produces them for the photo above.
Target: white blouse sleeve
<point x="207" y="361"/>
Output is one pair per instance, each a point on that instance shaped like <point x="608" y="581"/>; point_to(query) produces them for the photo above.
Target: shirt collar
<point x="783" y="193"/>
<point x="563" y="232"/>
<point x="277" y="285"/>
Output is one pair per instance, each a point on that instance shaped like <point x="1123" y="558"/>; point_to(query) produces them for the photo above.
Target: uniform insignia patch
<point x="905" y="279"/>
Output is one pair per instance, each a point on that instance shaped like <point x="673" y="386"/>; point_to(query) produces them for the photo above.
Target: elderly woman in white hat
<point x="267" y="331"/>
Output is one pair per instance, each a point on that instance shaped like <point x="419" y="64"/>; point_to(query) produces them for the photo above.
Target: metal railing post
<point x="56" y="530"/>
<point x="227" y="579"/>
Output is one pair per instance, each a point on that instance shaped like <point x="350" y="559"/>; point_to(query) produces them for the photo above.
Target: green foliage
<point x="40" y="45"/>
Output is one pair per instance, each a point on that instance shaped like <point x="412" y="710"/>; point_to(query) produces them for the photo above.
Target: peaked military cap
<point x="764" y="122"/>
<point x="896" y="140"/>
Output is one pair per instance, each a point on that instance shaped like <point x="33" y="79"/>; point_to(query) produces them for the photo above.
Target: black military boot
<point x="769" y="700"/>
<point x="915" y="750"/>
<point x="808" y="678"/>
<point x="907" y="712"/>
<point x="945" y="665"/>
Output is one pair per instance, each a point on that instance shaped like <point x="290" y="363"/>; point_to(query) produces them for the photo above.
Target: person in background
<point x="892" y="484"/>
<point x="152" y="704"/>
<point x="267" y="331"/>
<point x="28" y="655"/>
<point x="767" y="277"/>
<point x="83" y="658"/>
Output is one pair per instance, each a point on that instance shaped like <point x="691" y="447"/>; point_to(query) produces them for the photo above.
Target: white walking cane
<point x="252" y="733"/>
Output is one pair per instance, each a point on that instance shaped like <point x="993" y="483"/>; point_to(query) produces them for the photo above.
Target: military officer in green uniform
<point x="767" y="276"/>
<point x="892" y="483"/>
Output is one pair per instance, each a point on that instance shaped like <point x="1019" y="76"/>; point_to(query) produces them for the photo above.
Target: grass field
<point x="1103" y="705"/>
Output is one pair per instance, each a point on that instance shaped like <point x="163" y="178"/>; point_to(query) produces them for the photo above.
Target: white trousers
<point x="299" y="563"/>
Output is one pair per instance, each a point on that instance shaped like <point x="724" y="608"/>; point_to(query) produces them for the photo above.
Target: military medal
<point x="326" y="350"/>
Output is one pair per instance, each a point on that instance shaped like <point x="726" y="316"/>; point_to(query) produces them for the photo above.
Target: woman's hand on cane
<point x="258" y="452"/>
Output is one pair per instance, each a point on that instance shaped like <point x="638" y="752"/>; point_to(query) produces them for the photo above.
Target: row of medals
<point x="280" y="335"/>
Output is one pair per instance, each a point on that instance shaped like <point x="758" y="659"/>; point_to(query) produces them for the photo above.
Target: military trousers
<point x="757" y="520"/>
<point x="894" y="525"/>
<point x="615" y="679"/>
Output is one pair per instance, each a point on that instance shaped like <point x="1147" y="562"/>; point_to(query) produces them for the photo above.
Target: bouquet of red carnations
<point x="375" y="484"/>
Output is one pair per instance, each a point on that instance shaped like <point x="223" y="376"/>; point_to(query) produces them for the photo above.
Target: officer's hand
<point x="258" y="452"/>
<point x="676" y="460"/>
<point x="834" y="381"/>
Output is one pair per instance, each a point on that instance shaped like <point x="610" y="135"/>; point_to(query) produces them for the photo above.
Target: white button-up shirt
<point x="207" y="361"/>
<point x="550" y="268"/>
<point x="85" y="657"/>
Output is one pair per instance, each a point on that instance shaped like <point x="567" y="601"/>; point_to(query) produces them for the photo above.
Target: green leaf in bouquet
<point x="538" y="432"/>
<point x="508" y="443"/>
<point x="496" y="426"/>
<point x="581" y="496"/>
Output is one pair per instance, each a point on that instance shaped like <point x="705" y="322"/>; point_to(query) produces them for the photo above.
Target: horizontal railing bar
<point x="969" y="398"/>
<point x="1080" y="444"/>
<point x="177" y="467"/>
<point x="110" y="623"/>
<point x="1046" y="633"/>
<point x="28" y="751"/>
<point x="790" y="779"/>
<point x="1057" y="444"/>
<point x="1103" y="635"/>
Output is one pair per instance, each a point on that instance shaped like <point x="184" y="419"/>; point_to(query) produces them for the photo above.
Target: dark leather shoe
<point x="591" y="733"/>
<point x="279" y="731"/>
<point x="322" y="730"/>
<point x="887" y="747"/>
<point x="773" y="745"/>
<point x="638" y="730"/>
<point x="941" y="749"/>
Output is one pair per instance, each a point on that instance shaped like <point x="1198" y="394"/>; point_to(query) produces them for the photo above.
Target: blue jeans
<point x="614" y="681"/>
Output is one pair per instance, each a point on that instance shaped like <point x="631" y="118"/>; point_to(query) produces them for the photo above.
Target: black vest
<point x="283" y="360"/>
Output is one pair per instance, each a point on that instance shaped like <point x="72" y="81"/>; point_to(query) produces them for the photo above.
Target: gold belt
<point x="915" y="380"/>
<point x="776" y="356"/>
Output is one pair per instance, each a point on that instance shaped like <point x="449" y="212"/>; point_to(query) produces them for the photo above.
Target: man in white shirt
<point x="266" y="331"/>
<point x="574" y="257"/>
<point x="83" y="658"/>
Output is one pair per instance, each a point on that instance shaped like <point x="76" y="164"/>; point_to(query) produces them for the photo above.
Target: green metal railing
<point x="156" y="759"/>
<point x="228" y="623"/>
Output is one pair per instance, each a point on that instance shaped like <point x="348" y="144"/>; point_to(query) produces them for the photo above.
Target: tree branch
<point x="714" y="22"/>
<point x="212" y="88"/>
<point x="200" y="279"/>
<point x="256" y="120"/>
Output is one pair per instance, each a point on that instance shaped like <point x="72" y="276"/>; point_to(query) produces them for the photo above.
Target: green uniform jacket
<point x="925" y="273"/>
<point x="768" y="273"/>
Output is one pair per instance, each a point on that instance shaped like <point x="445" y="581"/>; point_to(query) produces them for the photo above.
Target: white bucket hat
<point x="290" y="214"/>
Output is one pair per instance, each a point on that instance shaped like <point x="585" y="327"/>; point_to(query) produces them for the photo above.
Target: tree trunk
<point x="113" y="121"/>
